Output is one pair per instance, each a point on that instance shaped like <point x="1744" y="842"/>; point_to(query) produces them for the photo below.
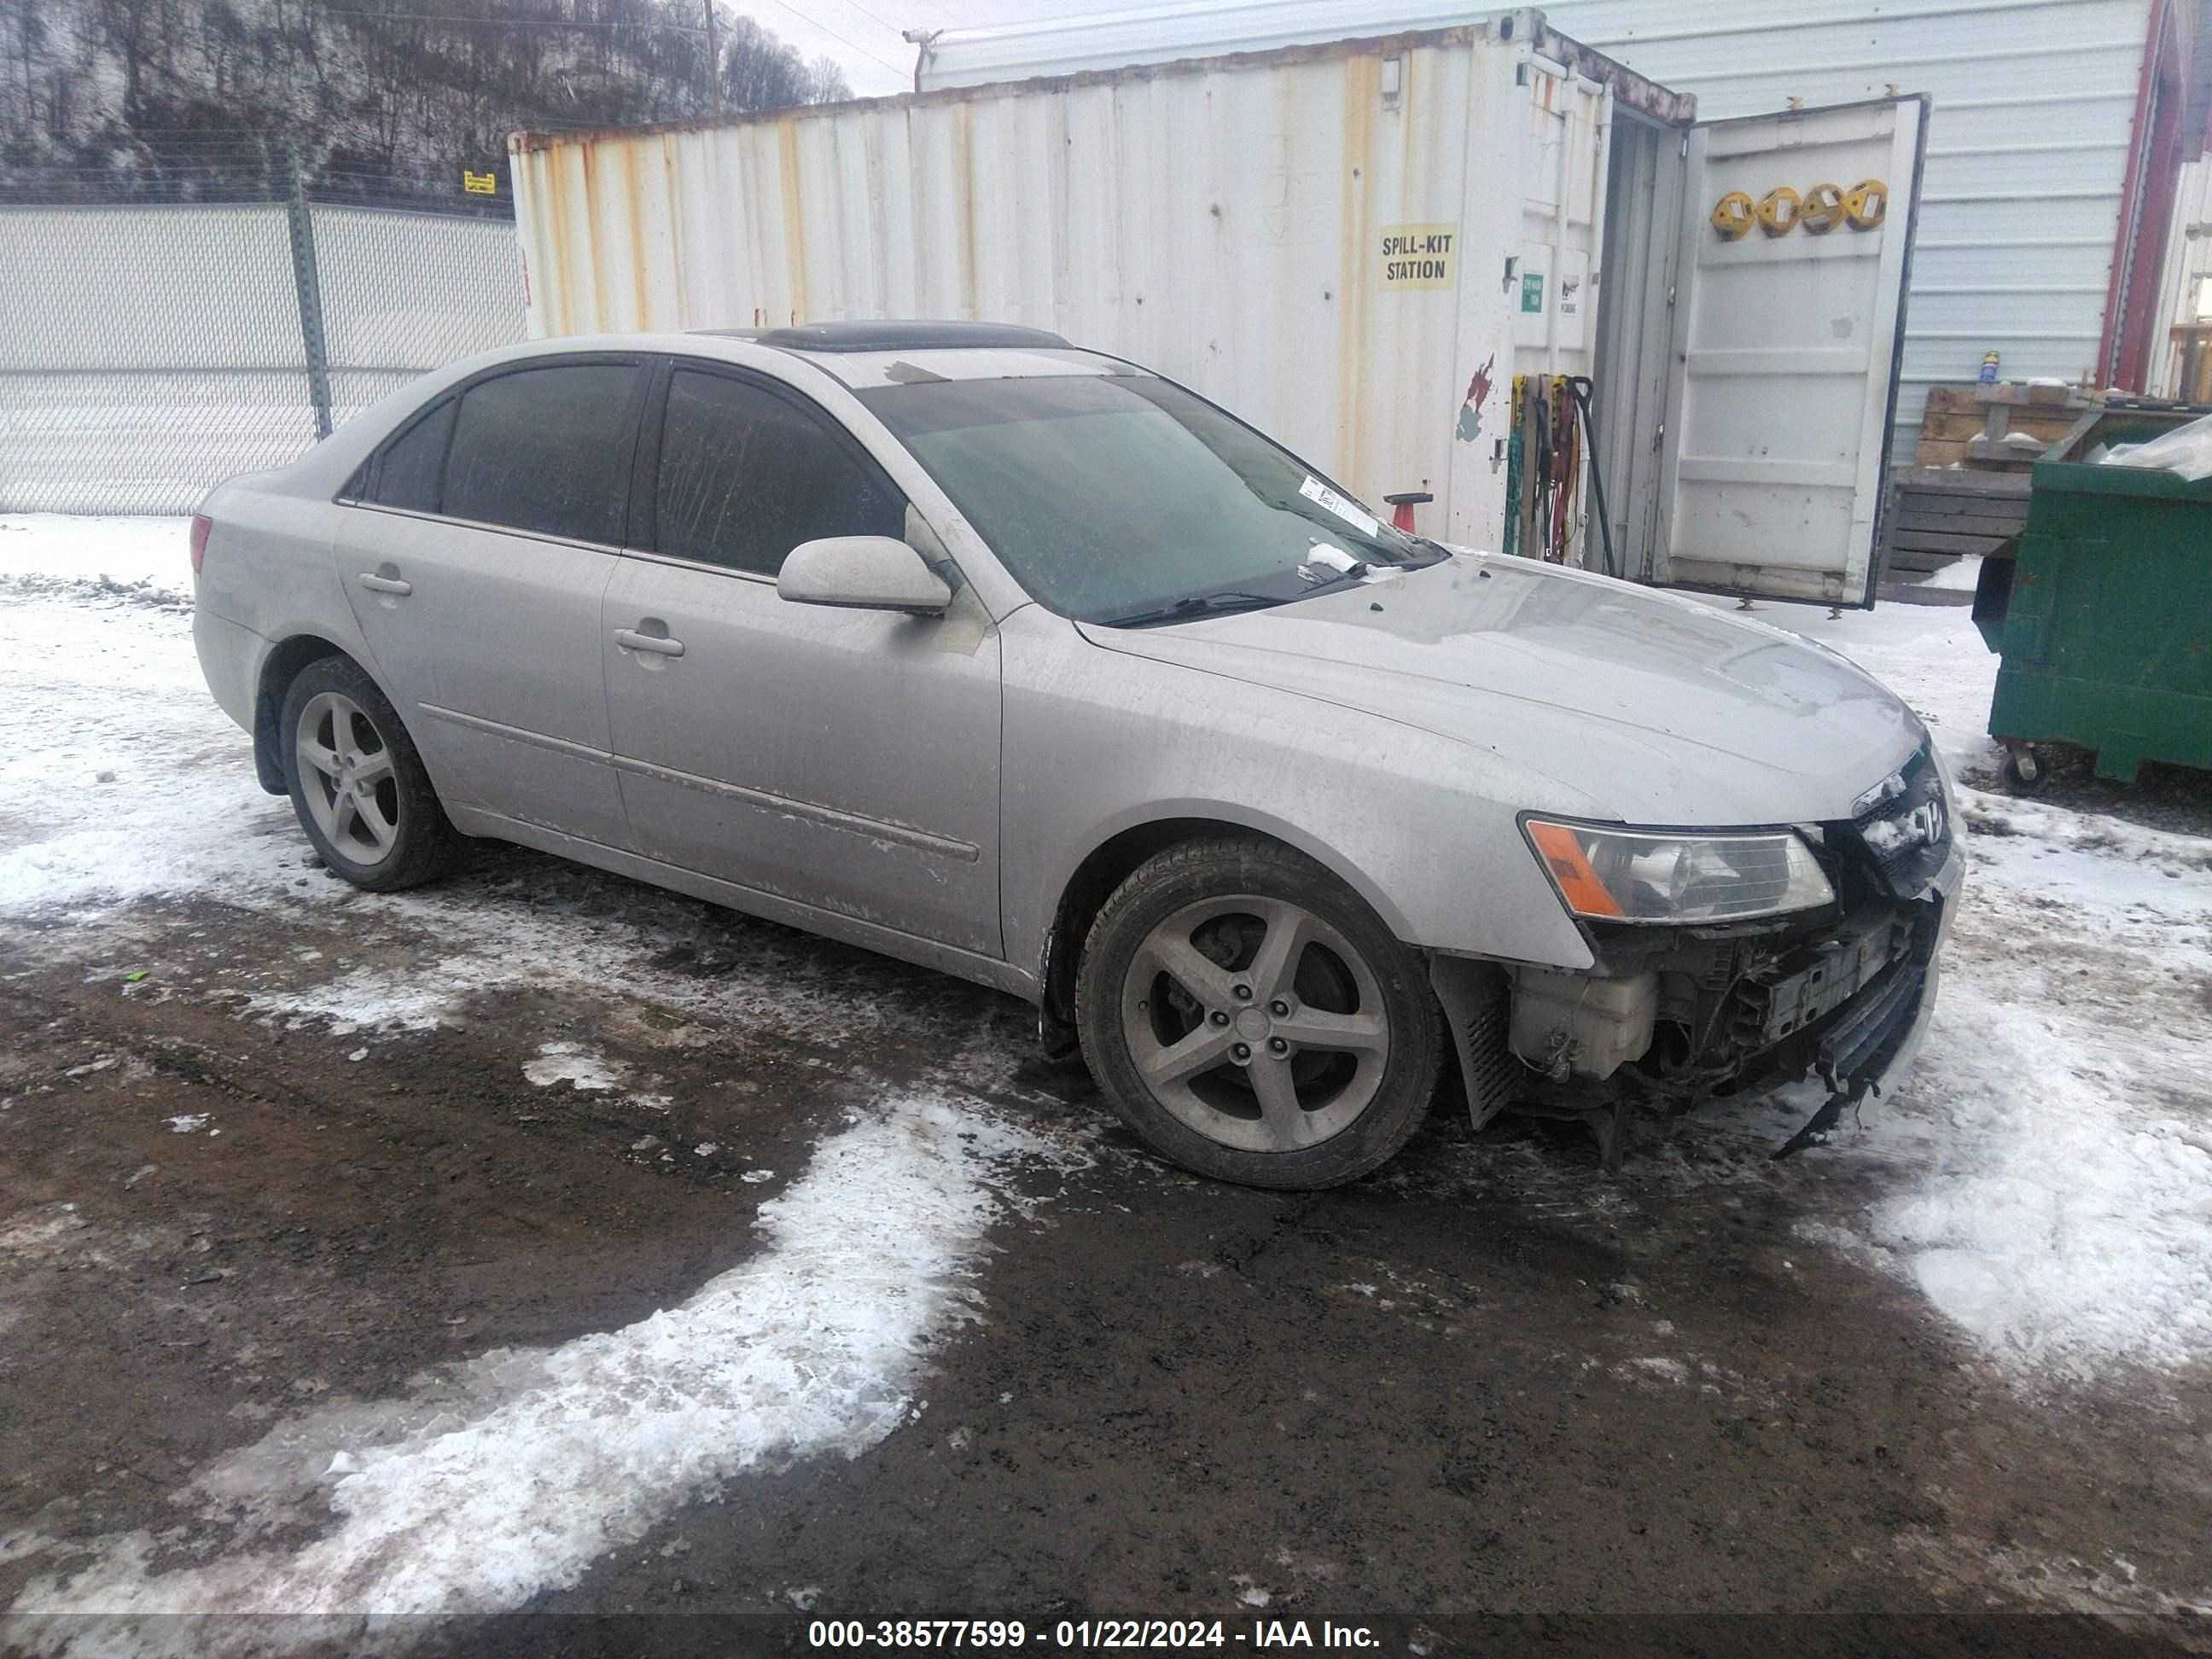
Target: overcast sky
<point x="863" y="35"/>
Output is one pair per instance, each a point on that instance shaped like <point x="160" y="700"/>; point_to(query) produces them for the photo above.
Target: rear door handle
<point x="376" y="584"/>
<point x="659" y="644"/>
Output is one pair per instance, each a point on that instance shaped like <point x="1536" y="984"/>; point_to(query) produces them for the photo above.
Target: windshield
<point x="1116" y="499"/>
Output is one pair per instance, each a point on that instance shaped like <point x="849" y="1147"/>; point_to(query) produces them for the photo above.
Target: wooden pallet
<point x="1970" y="426"/>
<point x="1937" y="516"/>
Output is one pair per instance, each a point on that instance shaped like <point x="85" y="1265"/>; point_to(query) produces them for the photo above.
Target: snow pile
<point x="94" y="558"/>
<point x="2055" y="1220"/>
<point x="2052" y="1149"/>
<point x="513" y="1474"/>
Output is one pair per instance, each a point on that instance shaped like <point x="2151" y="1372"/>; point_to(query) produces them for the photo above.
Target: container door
<point x="1796" y="245"/>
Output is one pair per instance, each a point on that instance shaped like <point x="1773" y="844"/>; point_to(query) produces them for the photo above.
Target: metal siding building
<point x="2027" y="148"/>
<point x="2028" y="166"/>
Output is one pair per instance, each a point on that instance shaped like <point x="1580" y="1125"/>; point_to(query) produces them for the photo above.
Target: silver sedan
<point x="1018" y="661"/>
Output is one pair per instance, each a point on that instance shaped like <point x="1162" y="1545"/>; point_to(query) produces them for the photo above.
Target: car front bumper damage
<point x="1672" y="1017"/>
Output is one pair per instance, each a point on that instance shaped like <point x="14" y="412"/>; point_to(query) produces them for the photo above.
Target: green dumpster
<point x="2104" y="619"/>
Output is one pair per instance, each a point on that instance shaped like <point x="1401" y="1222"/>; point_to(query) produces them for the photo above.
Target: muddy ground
<point x="1487" y="1380"/>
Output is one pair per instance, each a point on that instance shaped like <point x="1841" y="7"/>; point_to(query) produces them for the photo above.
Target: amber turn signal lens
<point x="1570" y="867"/>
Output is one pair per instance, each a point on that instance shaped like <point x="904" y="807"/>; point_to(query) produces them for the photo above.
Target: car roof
<point x="911" y="351"/>
<point x="859" y="355"/>
<point x="894" y="334"/>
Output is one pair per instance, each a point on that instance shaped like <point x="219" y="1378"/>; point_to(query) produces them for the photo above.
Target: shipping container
<point x="2051" y="148"/>
<point x="1356" y="245"/>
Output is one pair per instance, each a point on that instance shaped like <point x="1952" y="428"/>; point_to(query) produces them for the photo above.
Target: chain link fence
<point x="147" y="352"/>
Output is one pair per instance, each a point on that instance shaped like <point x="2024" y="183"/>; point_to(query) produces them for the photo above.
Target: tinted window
<point x="545" y="449"/>
<point x="747" y="475"/>
<point x="407" y="475"/>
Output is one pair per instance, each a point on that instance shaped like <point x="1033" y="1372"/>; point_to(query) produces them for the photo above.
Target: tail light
<point x="201" y="524"/>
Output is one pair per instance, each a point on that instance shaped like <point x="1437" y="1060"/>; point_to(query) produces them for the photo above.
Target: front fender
<point x="1097" y="741"/>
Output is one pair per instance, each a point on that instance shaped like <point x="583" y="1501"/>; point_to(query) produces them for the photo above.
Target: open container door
<point x="1787" y="339"/>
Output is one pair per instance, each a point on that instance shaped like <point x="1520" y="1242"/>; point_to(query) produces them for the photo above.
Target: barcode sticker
<point x="1350" y="511"/>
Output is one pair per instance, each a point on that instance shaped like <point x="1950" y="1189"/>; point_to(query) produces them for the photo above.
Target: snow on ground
<point x="120" y="780"/>
<point x="1961" y="577"/>
<point x="578" y="1064"/>
<point x="511" y="1473"/>
<point x="2046" y="1175"/>
<point x="50" y="551"/>
<point x="2054" y="1145"/>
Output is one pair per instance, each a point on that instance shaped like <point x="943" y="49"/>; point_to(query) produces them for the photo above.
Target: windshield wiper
<point x="1193" y="604"/>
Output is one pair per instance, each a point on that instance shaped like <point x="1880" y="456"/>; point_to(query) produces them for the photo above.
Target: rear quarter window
<point x="408" y="472"/>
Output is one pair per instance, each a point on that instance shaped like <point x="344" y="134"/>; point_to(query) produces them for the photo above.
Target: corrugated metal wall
<point x="2027" y="147"/>
<point x="2027" y="150"/>
<point x="1225" y="227"/>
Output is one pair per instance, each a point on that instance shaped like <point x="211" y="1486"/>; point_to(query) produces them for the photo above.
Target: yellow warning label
<point x="480" y="183"/>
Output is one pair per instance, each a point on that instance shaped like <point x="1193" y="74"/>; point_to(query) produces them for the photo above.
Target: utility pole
<point x="713" y="62"/>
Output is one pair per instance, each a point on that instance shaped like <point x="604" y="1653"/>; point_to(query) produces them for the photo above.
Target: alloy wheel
<point x="347" y="776"/>
<point x="1255" y="1023"/>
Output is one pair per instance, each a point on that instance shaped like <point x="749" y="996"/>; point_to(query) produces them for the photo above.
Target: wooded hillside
<point x="170" y="100"/>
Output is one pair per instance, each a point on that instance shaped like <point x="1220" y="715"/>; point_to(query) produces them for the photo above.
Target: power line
<point x="812" y="22"/>
<point x="878" y="16"/>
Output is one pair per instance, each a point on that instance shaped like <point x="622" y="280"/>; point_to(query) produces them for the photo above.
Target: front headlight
<point x="1659" y="875"/>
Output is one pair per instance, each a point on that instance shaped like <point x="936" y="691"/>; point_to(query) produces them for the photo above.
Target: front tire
<point x="358" y="784"/>
<point x="1253" y="1019"/>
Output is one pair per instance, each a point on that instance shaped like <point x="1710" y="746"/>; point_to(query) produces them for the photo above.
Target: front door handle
<point x="659" y="644"/>
<point x="376" y="584"/>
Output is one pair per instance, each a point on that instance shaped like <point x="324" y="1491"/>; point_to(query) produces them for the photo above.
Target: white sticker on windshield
<point x="1350" y="511"/>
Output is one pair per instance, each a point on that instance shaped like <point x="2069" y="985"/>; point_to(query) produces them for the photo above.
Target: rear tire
<point x="357" y="784"/>
<point x="1253" y="1019"/>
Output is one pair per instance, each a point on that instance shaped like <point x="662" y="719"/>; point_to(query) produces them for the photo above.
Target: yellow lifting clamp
<point x="1732" y="215"/>
<point x="1823" y="210"/>
<point x="1866" y="204"/>
<point x="1779" y="211"/>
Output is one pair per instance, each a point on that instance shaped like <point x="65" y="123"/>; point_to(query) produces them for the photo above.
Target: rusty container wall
<point x="1317" y="237"/>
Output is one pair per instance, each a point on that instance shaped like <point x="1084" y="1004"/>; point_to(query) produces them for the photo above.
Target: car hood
<point x="1642" y="706"/>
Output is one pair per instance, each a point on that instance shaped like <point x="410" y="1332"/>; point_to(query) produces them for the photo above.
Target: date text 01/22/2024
<point x="1088" y="1634"/>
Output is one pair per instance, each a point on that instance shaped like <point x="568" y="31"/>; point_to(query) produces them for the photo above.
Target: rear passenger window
<point x="407" y="476"/>
<point x="546" y="450"/>
<point x="747" y="475"/>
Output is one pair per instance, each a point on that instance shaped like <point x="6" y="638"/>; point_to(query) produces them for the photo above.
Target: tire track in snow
<point x="512" y="1474"/>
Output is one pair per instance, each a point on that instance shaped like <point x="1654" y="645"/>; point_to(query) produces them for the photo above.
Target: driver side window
<point x="746" y="475"/>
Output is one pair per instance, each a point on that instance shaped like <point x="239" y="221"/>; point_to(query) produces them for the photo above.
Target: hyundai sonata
<point x="1016" y="661"/>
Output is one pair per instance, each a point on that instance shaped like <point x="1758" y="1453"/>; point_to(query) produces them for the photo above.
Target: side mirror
<point x="862" y="573"/>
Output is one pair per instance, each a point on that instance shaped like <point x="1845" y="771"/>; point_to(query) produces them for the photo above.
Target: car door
<point x="487" y="532"/>
<point x="847" y="760"/>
